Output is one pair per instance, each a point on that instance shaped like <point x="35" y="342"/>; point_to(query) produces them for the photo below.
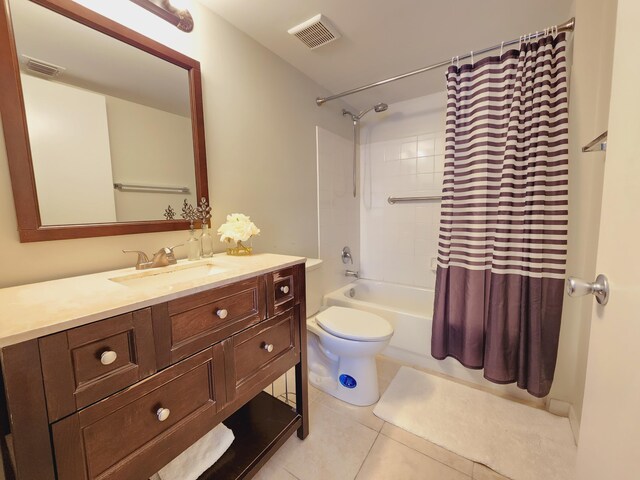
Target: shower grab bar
<point x="127" y="187"/>
<point x="393" y="200"/>
<point x="598" y="144"/>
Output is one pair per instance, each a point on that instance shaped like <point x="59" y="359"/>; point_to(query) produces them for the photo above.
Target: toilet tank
<point x="314" y="293"/>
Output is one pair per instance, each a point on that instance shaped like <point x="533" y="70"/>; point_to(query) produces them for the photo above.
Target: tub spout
<point x="351" y="273"/>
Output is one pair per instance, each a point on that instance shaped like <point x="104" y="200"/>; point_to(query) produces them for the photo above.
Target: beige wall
<point x="590" y="91"/>
<point x="259" y="121"/>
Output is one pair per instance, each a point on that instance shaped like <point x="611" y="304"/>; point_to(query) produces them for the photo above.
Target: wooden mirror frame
<point x="17" y="136"/>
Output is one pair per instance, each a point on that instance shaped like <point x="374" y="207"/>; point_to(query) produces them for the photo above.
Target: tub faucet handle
<point x="352" y="273"/>
<point x="346" y="256"/>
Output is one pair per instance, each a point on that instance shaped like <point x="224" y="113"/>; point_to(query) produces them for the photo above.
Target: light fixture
<point x="180" y="4"/>
<point x="173" y="11"/>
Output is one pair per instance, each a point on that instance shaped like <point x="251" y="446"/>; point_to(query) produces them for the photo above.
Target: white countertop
<point x="38" y="309"/>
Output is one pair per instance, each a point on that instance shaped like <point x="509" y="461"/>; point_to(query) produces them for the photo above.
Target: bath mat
<point x="520" y="442"/>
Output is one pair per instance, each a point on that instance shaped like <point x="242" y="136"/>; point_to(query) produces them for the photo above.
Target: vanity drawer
<point x="88" y="363"/>
<point x="261" y="352"/>
<point x="281" y="291"/>
<point x="134" y="433"/>
<point x="198" y="321"/>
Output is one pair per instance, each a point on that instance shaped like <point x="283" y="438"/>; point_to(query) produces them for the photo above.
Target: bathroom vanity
<point x="112" y="375"/>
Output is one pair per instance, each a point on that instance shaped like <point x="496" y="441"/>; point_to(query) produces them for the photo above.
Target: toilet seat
<point x="352" y="324"/>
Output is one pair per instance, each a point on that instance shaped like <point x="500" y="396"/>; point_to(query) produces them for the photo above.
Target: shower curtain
<point x="503" y="222"/>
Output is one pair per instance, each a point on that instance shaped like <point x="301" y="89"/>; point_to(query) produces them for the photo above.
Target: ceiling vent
<point x="41" y="67"/>
<point x="315" y="32"/>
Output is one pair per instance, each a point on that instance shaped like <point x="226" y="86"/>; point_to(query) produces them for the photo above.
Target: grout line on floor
<point x="286" y="470"/>
<point x="432" y="458"/>
<point x="367" y="455"/>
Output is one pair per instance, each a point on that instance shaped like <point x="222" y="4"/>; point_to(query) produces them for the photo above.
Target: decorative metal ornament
<point x="204" y="210"/>
<point x="189" y="213"/>
<point x="170" y="213"/>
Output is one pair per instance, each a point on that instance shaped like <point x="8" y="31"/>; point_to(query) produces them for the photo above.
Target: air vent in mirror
<point x="41" y="67"/>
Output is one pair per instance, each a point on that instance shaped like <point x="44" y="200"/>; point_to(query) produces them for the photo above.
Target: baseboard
<point x="565" y="409"/>
<point x="558" y="407"/>
<point x="575" y="424"/>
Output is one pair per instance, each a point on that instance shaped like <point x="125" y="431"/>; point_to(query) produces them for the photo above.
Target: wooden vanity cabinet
<point x="121" y="397"/>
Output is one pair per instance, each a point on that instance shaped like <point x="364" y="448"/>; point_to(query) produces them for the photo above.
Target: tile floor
<point x="348" y="442"/>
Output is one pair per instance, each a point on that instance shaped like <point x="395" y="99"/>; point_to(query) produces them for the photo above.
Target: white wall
<point x="150" y="147"/>
<point x="260" y="119"/>
<point x="71" y="189"/>
<point x="402" y="154"/>
<point x="338" y="210"/>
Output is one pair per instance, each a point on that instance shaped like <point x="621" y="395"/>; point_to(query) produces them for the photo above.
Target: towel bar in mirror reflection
<point x="99" y="103"/>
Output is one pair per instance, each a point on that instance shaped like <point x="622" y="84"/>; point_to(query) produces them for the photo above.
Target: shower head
<point x="378" y="107"/>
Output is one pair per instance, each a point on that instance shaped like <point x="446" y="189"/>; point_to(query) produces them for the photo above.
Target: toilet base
<point x="352" y="380"/>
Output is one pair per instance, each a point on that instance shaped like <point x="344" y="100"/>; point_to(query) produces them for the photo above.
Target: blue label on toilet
<point x="348" y="381"/>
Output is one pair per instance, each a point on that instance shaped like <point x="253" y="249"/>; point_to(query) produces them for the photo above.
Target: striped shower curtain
<point x="503" y="224"/>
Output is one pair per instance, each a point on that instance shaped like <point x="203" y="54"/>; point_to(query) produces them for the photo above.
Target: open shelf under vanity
<point x="260" y="427"/>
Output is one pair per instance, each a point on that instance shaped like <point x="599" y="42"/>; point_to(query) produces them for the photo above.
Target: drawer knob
<point x="268" y="347"/>
<point x="163" y="414"/>
<point x="284" y="289"/>
<point x="108" y="357"/>
<point x="222" y="313"/>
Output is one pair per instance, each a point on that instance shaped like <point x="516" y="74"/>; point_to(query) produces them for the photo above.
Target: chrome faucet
<point x="161" y="258"/>
<point x="352" y="273"/>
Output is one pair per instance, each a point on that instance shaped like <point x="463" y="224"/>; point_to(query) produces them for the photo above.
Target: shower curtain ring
<point x="501" y="47"/>
<point x="473" y="64"/>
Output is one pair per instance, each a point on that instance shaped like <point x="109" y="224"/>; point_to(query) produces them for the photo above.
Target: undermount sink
<point x="168" y="276"/>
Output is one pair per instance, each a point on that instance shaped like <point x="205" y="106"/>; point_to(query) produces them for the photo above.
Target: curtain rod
<point x="567" y="26"/>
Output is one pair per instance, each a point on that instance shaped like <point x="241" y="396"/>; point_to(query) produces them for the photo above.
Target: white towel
<point x="193" y="462"/>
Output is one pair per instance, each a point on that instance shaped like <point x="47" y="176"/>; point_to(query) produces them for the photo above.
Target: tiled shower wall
<point x="338" y="210"/>
<point x="402" y="154"/>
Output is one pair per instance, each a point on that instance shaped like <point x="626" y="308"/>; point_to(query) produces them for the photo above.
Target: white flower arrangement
<point x="238" y="228"/>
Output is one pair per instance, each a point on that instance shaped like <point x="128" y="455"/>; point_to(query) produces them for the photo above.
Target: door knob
<point x="599" y="288"/>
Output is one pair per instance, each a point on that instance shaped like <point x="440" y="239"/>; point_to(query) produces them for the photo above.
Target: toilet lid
<point x="353" y="324"/>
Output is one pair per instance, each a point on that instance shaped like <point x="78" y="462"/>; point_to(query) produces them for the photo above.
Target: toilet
<point x="342" y="345"/>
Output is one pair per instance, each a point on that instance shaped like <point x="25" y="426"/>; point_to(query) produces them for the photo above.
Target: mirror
<point x="105" y="123"/>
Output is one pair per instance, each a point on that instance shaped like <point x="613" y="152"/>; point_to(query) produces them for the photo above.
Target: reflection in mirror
<point x="101" y="112"/>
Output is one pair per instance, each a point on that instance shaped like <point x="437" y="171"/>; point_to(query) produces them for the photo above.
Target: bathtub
<point x="410" y="311"/>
